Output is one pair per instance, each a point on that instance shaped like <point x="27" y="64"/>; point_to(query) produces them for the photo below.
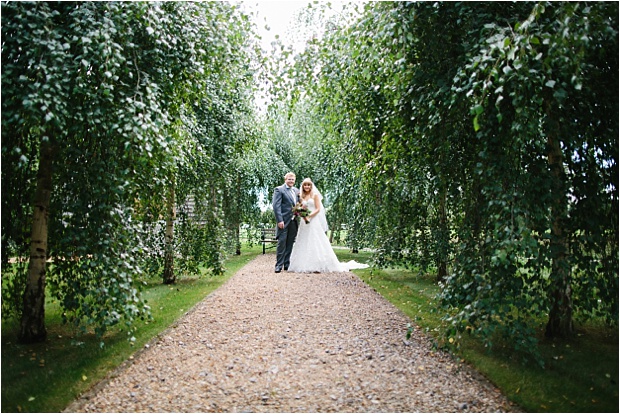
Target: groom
<point x="284" y="198"/>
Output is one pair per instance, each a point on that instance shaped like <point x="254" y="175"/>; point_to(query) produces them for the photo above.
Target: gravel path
<point x="289" y="342"/>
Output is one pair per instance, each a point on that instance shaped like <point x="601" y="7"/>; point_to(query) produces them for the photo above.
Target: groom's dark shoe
<point x="285" y="268"/>
<point x="278" y="270"/>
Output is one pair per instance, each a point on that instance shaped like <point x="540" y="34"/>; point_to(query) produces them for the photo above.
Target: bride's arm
<point x="317" y="206"/>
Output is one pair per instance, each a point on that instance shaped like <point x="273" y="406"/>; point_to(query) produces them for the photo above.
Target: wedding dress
<point x="312" y="251"/>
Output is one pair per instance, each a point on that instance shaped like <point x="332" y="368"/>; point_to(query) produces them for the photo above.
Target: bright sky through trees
<point x="277" y="16"/>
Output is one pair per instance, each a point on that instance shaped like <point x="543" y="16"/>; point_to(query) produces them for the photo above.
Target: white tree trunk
<point x="32" y="328"/>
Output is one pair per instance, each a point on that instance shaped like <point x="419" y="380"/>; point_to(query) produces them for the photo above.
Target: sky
<point x="278" y="15"/>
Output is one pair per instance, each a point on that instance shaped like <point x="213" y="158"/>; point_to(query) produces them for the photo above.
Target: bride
<point x="312" y="251"/>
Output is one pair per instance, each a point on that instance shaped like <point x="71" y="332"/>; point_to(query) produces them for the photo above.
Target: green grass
<point x="580" y="374"/>
<point x="47" y="377"/>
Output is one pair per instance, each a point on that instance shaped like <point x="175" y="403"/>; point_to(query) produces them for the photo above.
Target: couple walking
<point x="303" y="245"/>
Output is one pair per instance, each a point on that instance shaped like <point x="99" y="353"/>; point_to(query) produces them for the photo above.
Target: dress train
<point x="312" y="251"/>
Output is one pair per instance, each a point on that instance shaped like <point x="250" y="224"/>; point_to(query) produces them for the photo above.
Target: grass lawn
<point x="580" y="374"/>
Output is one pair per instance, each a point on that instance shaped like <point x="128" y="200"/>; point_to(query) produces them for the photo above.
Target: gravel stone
<point x="292" y="342"/>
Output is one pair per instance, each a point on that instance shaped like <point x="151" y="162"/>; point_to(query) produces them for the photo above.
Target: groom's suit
<point x="284" y="198"/>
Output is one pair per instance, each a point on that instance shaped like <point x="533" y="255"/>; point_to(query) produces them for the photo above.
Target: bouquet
<point x="301" y="210"/>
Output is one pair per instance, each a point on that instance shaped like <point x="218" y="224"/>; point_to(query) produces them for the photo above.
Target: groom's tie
<point x="292" y="194"/>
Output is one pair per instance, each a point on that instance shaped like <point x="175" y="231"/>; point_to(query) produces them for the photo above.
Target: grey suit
<point x="283" y="202"/>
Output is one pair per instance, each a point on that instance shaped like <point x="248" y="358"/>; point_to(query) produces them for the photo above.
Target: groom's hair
<point x="288" y="174"/>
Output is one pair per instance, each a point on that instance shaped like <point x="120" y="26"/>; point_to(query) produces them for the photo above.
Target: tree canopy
<point x="478" y="141"/>
<point x="486" y="134"/>
<point x="107" y="109"/>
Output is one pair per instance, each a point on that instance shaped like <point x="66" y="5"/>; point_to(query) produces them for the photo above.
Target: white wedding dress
<point x="312" y="251"/>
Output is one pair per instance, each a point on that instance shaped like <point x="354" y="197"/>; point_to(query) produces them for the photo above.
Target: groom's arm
<point x="276" y="203"/>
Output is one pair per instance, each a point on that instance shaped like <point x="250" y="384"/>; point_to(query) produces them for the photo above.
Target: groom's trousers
<point x="286" y="238"/>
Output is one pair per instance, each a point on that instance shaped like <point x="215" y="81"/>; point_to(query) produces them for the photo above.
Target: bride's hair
<point x="303" y="190"/>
